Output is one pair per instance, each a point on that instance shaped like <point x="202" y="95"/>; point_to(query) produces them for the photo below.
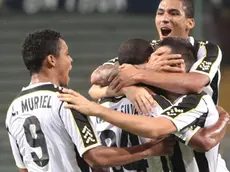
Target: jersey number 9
<point x="35" y="138"/>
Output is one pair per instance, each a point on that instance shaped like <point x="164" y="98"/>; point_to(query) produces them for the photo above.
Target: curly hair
<point x="37" y="46"/>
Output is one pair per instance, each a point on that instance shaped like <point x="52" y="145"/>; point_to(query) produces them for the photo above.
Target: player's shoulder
<point x="162" y="101"/>
<point x="192" y="100"/>
<point x="48" y="88"/>
<point x="208" y="44"/>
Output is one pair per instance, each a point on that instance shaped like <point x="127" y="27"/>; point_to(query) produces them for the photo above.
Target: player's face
<point x="171" y="20"/>
<point x="63" y="64"/>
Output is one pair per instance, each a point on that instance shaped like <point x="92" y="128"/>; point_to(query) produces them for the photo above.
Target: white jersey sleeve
<point x="17" y="156"/>
<point x="80" y="129"/>
<point x="186" y="135"/>
<point x="193" y="109"/>
<point x="13" y="143"/>
<point x="209" y="58"/>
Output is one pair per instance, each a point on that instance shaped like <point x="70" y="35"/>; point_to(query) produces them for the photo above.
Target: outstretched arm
<point x="181" y="83"/>
<point x="201" y="73"/>
<point x="173" y="119"/>
<point x="112" y="156"/>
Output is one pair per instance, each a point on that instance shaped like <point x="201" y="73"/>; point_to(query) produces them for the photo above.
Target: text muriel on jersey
<point x="35" y="102"/>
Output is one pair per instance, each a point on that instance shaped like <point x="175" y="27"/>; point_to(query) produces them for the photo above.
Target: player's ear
<point x="51" y="61"/>
<point x="190" y="23"/>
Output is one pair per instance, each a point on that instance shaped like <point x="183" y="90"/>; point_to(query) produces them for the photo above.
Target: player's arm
<point x="201" y="74"/>
<point x="100" y="80"/>
<point x="181" y="83"/>
<point x="16" y="154"/>
<point x="102" y="156"/>
<point x="100" y="75"/>
<point x="174" y="118"/>
<point x="97" y="92"/>
<point x="206" y="138"/>
<point x="88" y="146"/>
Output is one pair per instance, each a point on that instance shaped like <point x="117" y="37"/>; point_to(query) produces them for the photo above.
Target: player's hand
<point x="141" y="97"/>
<point x="124" y="78"/>
<point x="78" y="102"/>
<point x="223" y="114"/>
<point x="162" y="61"/>
<point x="162" y="147"/>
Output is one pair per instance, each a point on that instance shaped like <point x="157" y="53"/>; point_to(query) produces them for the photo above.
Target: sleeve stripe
<point x="211" y="55"/>
<point x="187" y="104"/>
<point x="219" y="57"/>
<point x="85" y="129"/>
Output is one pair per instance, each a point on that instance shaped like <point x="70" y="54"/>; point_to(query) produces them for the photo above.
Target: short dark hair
<point x="189" y="8"/>
<point x="37" y="46"/>
<point x="134" y="51"/>
<point x="181" y="46"/>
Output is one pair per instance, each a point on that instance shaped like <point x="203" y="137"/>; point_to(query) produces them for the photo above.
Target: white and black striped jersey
<point x="189" y="113"/>
<point x="45" y="136"/>
<point x="113" y="136"/>
<point x="200" y="111"/>
<point x="209" y="57"/>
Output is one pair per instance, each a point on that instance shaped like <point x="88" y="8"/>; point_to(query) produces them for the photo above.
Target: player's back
<point x="34" y="121"/>
<point x="113" y="136"/>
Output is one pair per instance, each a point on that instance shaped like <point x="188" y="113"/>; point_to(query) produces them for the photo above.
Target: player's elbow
<point x="92" y="94"/>
<point x="95" y="158"/>
<point x="97" y="163"/>
<point x="205" y="145"/>
<point x="196" y="88"/>
<point x="197" y="83"/>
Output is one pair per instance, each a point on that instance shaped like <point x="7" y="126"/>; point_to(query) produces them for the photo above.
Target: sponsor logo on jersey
<point x="173" y="112"/>
<point x="205" y="66"/>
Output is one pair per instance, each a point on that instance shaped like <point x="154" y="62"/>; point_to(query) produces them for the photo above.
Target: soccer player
<point x="138" y="51"/>
<point x="173" y="18"/>
<point x="185" y="110"/>
<point x="44" y="135"/>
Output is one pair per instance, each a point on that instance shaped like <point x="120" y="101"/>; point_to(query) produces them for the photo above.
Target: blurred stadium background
<point x="94" y="30"/>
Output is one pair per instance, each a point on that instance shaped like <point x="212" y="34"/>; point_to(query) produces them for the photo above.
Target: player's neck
<point x="42" y="78"/>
